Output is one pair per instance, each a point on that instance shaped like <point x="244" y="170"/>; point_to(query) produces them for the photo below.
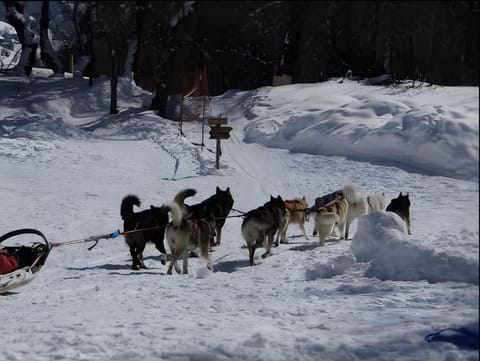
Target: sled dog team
<point x="199" y="226"/>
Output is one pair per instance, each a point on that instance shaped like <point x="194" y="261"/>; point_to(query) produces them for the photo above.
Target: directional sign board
<point x="218" y="132"/>
<point x="217" y="121"/>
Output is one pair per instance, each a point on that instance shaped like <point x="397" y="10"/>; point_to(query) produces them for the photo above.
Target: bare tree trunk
<point x="91" y="64"/>
<point x="16" y="18"/>
<point x="113" y="85"/>
<point x="47" y="53"/>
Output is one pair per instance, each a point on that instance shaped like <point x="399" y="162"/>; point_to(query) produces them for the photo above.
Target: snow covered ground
<point x="66" y="165"/>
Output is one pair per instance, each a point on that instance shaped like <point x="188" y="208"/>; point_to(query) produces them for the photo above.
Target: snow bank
<point x="38" y="126"/>
<point x="422" y="129"/>
<point x="381" y="239"/>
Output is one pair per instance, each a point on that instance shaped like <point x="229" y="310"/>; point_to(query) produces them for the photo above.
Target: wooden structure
<point x="218" y="132"/>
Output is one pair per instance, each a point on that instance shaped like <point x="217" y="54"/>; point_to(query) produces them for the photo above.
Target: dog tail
<point x="180" y="197"/>
<point x="176" y="211"/>
<point x="126" y="208"/>
<point x="350" y="192"/>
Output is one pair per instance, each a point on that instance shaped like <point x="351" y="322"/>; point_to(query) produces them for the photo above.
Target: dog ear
<point x="400" y="194"/>
<point x="218" y="190"/>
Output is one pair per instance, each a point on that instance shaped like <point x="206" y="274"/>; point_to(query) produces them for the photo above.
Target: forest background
<point x="247" y="44"/>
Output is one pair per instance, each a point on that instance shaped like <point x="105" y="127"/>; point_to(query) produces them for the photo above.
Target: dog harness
<point x="292" y="204"/>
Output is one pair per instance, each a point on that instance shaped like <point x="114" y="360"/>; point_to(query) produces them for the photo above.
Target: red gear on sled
<point x="7" y="263"/>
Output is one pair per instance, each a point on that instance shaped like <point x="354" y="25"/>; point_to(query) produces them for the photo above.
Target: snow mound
<point x="334" y="267"/>
<point x="381" y="239"/>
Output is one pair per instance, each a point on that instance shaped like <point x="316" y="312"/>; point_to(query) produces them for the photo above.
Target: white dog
<point x="324" y="225"/>
<point x="376" y="202"/>
<point x="330" y="215"/>
<point x="357" y="206"/>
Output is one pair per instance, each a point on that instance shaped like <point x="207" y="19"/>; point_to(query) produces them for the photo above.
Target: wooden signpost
<point x="218" y="132"/>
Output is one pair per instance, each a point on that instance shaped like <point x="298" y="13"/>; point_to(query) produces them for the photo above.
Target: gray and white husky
<point x="187" y="234"/>
<point x="260" y="225"/>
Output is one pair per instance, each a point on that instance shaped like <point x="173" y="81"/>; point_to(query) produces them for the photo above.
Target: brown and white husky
<point x="330" y="215"/>
<point x="297" y="212"/>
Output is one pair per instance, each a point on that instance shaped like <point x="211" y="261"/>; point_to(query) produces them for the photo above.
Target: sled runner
<point x="21" y="262"/>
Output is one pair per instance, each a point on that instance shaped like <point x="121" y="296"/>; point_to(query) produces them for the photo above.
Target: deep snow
<point x="66" y="165"/>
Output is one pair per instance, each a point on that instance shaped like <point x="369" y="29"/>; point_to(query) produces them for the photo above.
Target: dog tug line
<point x="31" y="259"/>
<point x="118" y="233"/>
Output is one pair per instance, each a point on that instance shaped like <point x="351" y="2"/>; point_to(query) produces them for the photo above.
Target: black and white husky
<point x="186" y="234"/>
<point x="219" y="205"/>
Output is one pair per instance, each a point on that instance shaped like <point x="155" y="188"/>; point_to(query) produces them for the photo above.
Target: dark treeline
<point x="243" y="44"/>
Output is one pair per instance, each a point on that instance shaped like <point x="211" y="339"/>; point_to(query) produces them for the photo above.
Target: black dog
<point x="219" y="206"/>
<point x="321" y="201"/>
<point x="151" y="221"/>
<point x="401" y="206"/>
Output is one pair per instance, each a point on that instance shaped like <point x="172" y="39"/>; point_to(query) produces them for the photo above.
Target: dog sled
<point x="22" y="263"/>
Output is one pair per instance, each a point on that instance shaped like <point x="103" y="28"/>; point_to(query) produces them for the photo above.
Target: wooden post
<point x="218" y="132"/>
<point x="219" y="152"/>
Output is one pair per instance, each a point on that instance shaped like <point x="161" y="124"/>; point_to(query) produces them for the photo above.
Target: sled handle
<point x="23" y="231"/>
